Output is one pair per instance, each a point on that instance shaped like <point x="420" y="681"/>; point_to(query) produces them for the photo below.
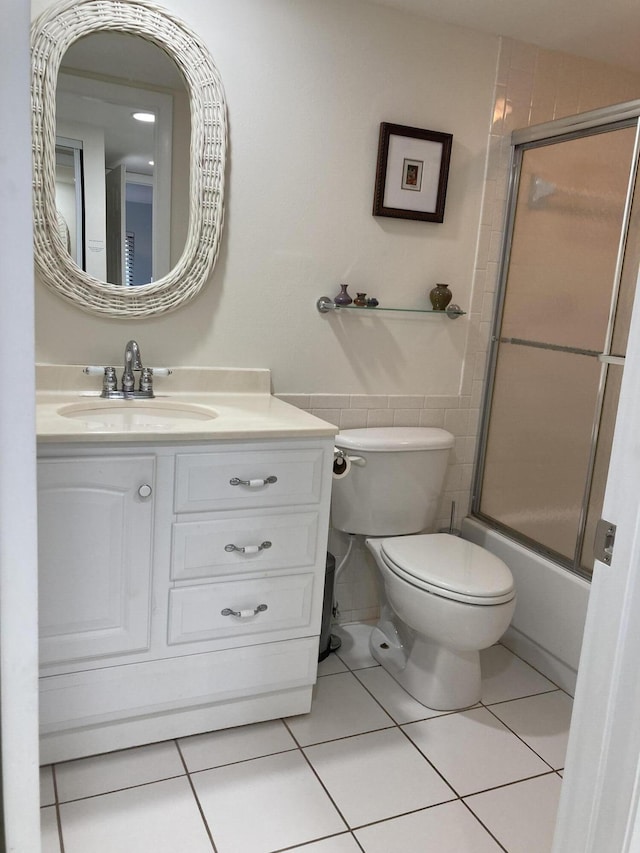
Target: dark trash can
<point x="328" y="641"/>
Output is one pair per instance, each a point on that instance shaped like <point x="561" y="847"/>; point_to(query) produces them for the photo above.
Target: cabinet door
<point x="95" y="531"/>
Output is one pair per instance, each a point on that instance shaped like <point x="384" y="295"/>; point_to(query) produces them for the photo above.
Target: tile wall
<point x="532" y="86"/>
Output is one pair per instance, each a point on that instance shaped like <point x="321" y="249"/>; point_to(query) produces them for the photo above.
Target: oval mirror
<point x="118" y="100"/>
<point x="104" y="234"/>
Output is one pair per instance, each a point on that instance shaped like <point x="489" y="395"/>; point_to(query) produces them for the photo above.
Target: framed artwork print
<point x="412" y="173"/>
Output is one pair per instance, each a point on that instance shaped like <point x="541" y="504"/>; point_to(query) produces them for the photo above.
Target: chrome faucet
<point x="132" y="361"/>
<point x="132" y="365"/>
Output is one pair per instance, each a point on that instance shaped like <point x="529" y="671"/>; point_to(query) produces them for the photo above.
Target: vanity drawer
<point x="199" y="548"/>
<point x="263" y="605"/>
<point x="205" y="481"/>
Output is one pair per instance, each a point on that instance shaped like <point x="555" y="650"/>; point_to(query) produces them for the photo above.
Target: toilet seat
<point x="449" y="567"/>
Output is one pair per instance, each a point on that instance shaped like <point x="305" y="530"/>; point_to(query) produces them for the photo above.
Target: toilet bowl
<point x="444" y="600"/>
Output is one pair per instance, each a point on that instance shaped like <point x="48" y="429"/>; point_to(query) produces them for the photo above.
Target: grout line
<point x="431" y="764"/>
<point x="393" y="724"/>
<point x="343" y="737"/>
<point x="124" y="788"/>
<point x="316" y="840"/>
<point x="57" y="806"/>
<point x="521" y="739"/>
<point x="535" y="668"/>
<point x="509" y="784"/>
<point x="486" y="828"/>
<point x="315" y="773"/>
<point x="399" y="727"/>
<point x="242" y="760"/>
<point x="407" y="813"/>
<point x="526" y="696"/>
<point x="193" y="791"/>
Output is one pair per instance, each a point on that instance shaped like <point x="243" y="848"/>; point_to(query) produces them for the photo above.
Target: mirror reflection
<point x="121" y="133"/>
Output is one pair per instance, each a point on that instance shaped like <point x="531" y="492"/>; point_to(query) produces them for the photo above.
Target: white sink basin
<point x="135" y="414"/>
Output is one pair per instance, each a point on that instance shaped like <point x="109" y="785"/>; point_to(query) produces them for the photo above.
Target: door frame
<point x="18" y="530"/>
<point x="600" y="796"/>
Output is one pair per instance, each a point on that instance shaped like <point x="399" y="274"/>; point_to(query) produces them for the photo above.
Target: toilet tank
<point x="395" y="481"/>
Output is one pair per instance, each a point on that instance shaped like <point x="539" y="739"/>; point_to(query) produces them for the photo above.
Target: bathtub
<point x="548" y="623"/>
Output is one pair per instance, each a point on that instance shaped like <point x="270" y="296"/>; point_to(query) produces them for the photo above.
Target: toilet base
<point x="440" y="678"/>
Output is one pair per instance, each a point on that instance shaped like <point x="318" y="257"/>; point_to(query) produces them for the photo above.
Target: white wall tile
<point x="328" y="401"/>
<point x="441" y="402"/>
<point x="369" y="401"/>
<point x="406" y="417"/>
<point x="332" y="416"/>
<point x="432" y="418"/>
<point x="299" y="400"/>
<point x="353" y="418"/>
<point x="400" y="401"/>
<point x="380" y="418"/>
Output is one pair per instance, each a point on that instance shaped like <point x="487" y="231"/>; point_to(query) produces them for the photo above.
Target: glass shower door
<point x="549" y="425"/>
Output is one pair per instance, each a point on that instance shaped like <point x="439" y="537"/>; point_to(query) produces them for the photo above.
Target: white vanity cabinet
<point x="181" y="587"/>
<point x="95" y="527"/>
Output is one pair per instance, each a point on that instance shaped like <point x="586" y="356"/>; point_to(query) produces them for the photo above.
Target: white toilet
<point x="443" y="598"/>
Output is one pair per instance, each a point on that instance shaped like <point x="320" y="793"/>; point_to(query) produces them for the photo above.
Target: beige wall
<point x="532" y="86"/>
<point x="307" y="83"/>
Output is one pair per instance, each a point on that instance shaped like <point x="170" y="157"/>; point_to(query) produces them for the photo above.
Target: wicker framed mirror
<point x="52" y="33"/>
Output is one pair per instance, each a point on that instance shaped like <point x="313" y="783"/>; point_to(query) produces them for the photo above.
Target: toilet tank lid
<point x="450" y="563"/>
<point x="394" y="438"/>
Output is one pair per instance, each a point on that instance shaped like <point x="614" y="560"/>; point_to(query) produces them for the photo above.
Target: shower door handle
<point x="604" y="358"/>
<point x="603" y="541"/>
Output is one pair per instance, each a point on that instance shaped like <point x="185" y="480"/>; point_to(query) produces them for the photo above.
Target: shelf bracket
<point x="325" y="305"/>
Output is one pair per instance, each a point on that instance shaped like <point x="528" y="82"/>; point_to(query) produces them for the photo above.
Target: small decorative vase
<point x="360" y="300"/>
<point x="372" y="302"/>
<point x="343" y="297"/>
<point x="440" y="297"/>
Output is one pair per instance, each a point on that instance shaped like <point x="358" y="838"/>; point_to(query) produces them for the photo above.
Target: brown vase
<point x="360" y="300"/>
<point x="440" y="297"/>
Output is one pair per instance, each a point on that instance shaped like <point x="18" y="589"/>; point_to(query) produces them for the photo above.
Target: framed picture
<point x="412" y="173"/>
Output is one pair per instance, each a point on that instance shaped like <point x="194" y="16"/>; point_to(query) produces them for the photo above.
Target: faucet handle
<point x="110" y="380"/>
<point x="146" y="379"/>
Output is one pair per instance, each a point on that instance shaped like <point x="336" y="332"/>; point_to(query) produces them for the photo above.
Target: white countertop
<point x="241" y="399"/>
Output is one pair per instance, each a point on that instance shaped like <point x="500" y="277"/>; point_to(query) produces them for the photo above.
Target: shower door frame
<point x="591" y="123"/>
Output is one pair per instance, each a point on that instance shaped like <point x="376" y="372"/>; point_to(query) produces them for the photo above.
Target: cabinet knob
<point x="145" y="490"/>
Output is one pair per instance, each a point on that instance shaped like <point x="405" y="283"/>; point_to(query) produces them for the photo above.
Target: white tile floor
<point x="369" y="769"/>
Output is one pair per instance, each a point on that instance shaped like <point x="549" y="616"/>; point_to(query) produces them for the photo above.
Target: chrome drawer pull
<point x="243" y="614"/>
<point x="253" y="484"/>
<point x="248" y="549"/>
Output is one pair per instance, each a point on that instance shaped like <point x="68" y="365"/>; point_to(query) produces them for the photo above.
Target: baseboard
<point x="531" y="652"/>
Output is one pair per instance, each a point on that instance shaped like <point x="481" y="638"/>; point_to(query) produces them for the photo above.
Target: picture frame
<point x="412" y="173"/>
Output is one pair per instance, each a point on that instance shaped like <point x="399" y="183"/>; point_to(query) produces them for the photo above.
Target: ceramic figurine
<point x="343" y="297"/>
<point x="440" y="297"/>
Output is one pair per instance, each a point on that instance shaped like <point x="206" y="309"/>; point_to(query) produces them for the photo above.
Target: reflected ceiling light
<point x="148" y="117"/>
<point x="502" y="109"/>
<point x="152" y="162"/>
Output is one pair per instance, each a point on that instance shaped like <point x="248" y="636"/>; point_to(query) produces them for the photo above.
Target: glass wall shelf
<point x="325" y="305"/>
